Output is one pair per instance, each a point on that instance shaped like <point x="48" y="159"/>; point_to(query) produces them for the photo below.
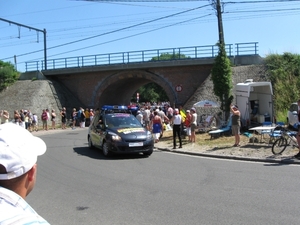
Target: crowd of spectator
<point x="48" y="119"/>
<point x="160" y="117"/>
<point x="24" y="118"/>
<point x="155" y="117"/>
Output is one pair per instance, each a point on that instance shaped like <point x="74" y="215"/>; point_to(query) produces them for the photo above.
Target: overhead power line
<point x="143" y="0"/>
<point x="117" y="30"/>
<point x="129" y="36"/>
<point x="38" y="30"/>
<point x="128" y="27"/>
<point x="258" y="1"/>
<point x="140" y="24"/>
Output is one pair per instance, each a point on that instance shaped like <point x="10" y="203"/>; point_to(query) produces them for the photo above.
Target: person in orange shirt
<point x="87" y="117"/>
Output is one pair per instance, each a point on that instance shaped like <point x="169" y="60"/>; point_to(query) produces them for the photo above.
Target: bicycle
<point x="286" y="138"/>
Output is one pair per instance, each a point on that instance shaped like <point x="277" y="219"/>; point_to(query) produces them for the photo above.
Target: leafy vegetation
<point x="8" y="75"/>
<point x="284" y="73"/>
<point x="221" y="77"/>
<point x="168" y="56"/>
<point x="151" y="92"/>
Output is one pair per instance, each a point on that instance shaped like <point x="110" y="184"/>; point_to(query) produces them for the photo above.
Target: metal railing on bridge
<point x="183" y="53"/>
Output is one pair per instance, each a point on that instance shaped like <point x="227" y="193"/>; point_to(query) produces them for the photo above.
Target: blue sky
<point x="114" y="26"/>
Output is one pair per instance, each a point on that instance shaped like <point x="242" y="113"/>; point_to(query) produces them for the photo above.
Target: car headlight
<point x="114" y="136"/>
<point x="149" y="135"/>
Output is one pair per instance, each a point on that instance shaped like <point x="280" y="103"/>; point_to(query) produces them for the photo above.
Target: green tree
<point x="8" y="74"/>
<point x="168" y="56"/>
<point x="151" y="92"/>
<point x="222" y="78"/>
<point x="284" y="73"/>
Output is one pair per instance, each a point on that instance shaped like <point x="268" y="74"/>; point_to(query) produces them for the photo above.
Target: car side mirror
<point x="100" y="125"/>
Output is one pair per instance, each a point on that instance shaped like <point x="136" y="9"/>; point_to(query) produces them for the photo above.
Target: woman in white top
<point x="4" y="117"/>
<point x="176" y="121"/>
<point x="193" y="124"/>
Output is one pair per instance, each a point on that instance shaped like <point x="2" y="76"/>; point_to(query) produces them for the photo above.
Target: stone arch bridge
<point x="97" y="86"/>
<point x="115" y="84"/>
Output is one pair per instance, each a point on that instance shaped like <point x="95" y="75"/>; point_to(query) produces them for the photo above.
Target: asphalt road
<point x="77" y="185"/>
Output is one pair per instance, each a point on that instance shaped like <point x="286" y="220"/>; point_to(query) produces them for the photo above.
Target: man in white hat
<point x="19" y="150"/>
<point x="139" y="116"/>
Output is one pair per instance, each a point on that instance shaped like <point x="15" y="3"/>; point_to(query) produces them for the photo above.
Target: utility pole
<point x="217" y="6"/>
<point x="32" y="28"/>
<point x="220" y="23"/>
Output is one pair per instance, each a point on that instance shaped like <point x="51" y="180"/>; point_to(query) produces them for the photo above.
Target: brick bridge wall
<point x="96" y="88"/>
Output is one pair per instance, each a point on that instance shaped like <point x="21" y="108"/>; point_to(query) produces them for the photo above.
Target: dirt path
<point x="224" y="146"/>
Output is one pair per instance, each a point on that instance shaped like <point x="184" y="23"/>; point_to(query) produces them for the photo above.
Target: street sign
<point x="178" y="88"/>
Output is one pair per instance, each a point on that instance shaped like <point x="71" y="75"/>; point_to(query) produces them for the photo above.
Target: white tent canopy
<point x="206" y="104"/>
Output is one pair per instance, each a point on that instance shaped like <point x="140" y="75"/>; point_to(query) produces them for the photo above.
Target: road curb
<point x="266" y="160"/>
<point x="231" y="157"/>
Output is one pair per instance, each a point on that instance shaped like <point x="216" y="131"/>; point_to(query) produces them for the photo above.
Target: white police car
<point x="116" y="130"/>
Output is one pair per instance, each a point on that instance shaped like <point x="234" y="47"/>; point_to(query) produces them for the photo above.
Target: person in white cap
<point x="19" y="150"/>
<point x="139" y="116"/>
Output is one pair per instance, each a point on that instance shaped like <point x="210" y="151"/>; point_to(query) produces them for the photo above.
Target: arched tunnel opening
<point x="150" y="92"/>
<point x="121" y="89"/>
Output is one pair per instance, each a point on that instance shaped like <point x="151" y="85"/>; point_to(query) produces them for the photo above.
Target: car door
<point x="101" y="130"/>
<point x="95" y="132"/>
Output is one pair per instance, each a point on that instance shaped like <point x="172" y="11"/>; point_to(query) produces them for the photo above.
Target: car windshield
<point x="121" y="120"/>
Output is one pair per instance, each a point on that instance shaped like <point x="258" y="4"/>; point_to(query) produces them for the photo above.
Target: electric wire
<point x="110" y="32"/>
<point x="129" y="36"/>
<point x="226" y="13"/>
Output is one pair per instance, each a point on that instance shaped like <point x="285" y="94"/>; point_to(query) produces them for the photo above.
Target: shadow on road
<point x="97" y="154"/>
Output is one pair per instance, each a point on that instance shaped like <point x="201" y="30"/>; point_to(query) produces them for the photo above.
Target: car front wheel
<point x="105" y="149"/>
<point x="90" y="143"/>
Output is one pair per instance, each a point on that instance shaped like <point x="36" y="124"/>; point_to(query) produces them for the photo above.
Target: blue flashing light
<point x="133" y="107"/>
<point x="111" y="107"/>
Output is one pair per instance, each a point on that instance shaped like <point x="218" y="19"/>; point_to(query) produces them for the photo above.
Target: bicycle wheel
<point x="279" y="146"/>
